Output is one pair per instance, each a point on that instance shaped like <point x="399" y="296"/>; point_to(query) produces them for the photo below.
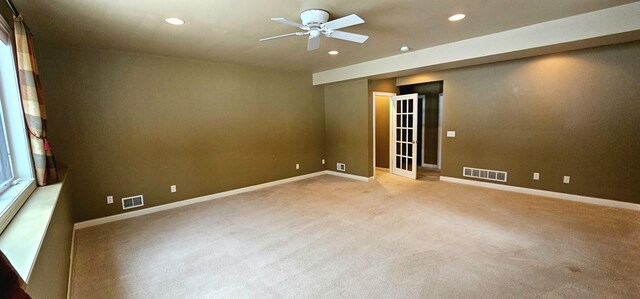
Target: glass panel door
<point x="405" y="134"/>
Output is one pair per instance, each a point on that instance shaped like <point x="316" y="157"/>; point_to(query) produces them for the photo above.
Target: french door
<point x="404" y="134"/>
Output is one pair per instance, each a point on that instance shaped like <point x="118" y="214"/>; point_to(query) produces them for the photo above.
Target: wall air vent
<point x="341" y="167"/>
<point x="485" y="174"/>
<point x="132" y="202"/>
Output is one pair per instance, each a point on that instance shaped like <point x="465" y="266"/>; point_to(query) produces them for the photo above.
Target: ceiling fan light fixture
<point x="174" y="21"/>
<point x="457" y="17"/>
<point x="315" y="24"/>
<point x="334" y="52"/>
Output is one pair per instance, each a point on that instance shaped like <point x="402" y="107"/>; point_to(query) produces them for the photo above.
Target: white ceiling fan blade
<point x="347" y="21"/>
<point x="281" y="36"/>
<point x="352" y="37"/>
<point x="287" y="22"/>
<point x="314" y="43"/>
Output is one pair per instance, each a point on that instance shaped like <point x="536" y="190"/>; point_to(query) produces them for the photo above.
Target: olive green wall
<point x="347" y="123"/>
<point x="575" y="113"/>
<point x="132" y="124"/>
<point x="50" y="274"/>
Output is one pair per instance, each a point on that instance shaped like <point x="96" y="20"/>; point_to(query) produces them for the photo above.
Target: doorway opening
<point x="381" y="130"/>
<point x="430" y="109"/>
<point x="428" y="154"/>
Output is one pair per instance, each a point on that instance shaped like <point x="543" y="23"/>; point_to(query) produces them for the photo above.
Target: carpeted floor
<point x="329" y="237"/>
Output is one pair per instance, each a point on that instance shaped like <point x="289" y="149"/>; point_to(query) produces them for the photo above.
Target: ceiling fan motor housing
<point x="314" y="17"/>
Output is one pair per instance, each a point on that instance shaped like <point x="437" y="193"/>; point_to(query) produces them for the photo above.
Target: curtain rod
<point x="13" y="8"/>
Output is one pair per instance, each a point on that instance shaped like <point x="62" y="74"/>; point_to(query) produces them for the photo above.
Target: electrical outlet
<point x="567" y="179"/>
<point x="322" y="161"/>
<point x="297" y="166"/>
<point x="536" y="176"/>
<point x="173" y="189"/>
<point x="110" y="199"/>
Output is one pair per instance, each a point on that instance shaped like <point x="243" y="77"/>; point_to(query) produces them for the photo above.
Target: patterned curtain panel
<point x="34" y="106"/>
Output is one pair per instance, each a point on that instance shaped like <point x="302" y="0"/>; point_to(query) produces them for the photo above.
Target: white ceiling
<point x="228" y="30"/>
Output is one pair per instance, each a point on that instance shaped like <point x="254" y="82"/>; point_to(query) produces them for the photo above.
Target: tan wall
<point x="132" y="124"/>
<point x="348" y="121"/>
<point x="49" y="277"/>
<point x="575" y="113"/>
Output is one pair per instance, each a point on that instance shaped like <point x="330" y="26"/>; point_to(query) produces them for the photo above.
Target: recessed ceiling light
<point x="456" y="17"/>
<point x="174" y="21"/>
<point x="334" y="52"/>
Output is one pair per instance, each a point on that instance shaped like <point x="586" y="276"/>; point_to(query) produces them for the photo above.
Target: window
<point x="16" y="172"/>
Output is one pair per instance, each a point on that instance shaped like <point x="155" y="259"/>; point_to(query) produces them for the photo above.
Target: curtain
<point x="34" y="106"/>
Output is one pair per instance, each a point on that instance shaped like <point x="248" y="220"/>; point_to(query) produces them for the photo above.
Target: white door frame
<point x="423" y="99"/>
<point x="440" y="102"/>
<point x="412" y="173"/>
<point x="381" y="94"/>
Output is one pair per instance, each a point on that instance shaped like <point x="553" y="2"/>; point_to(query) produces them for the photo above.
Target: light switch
<point x="451" y="133"/>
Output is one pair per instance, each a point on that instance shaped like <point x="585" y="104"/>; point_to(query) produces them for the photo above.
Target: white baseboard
<point x="558" y="195"/>
<point x="73" y="242"/>
<point x="186" y="202"/>
<point x="349" y="176"/>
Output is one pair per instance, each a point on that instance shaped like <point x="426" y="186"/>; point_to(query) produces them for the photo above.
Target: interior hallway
<point x="390" y="238"/>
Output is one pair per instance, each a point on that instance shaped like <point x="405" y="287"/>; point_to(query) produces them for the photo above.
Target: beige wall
<point x="49" y="277"/>
<point x="132" y="124"/>
<point x="347" y="123"/>
<point x="575" y="113"/>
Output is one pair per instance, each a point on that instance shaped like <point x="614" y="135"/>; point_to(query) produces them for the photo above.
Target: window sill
<point x="22" y="238"/>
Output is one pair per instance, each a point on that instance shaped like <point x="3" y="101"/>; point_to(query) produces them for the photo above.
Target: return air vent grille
<point x="485" y="174"/>
<point x="132" y="202"/>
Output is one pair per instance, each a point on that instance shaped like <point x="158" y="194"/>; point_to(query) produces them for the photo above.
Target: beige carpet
<point x="330" y="237"/>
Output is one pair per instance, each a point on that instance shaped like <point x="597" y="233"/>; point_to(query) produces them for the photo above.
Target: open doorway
<point x="429" y="140"/>
<point x="430" y="129"/>
<point x="381" y="130"/>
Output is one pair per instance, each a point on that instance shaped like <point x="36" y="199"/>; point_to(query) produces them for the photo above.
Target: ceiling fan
<point x="314" y="23"/>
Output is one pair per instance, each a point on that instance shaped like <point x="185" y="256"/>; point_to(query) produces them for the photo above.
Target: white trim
<point x="537" y="192"/>
<point x="440" y="115"/>
<point x="373" y="101"/>
<point x="423" y="99"/>
<point x="614" y="24"/>
<point x="186" y="202"/>
<point x="350" y="176"/>
<point x="73" y="241"/>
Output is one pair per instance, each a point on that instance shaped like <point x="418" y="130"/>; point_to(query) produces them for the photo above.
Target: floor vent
<point x="485" y="174"/>
<point x="341" y="167"/>
<point x="132" y="202"/>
